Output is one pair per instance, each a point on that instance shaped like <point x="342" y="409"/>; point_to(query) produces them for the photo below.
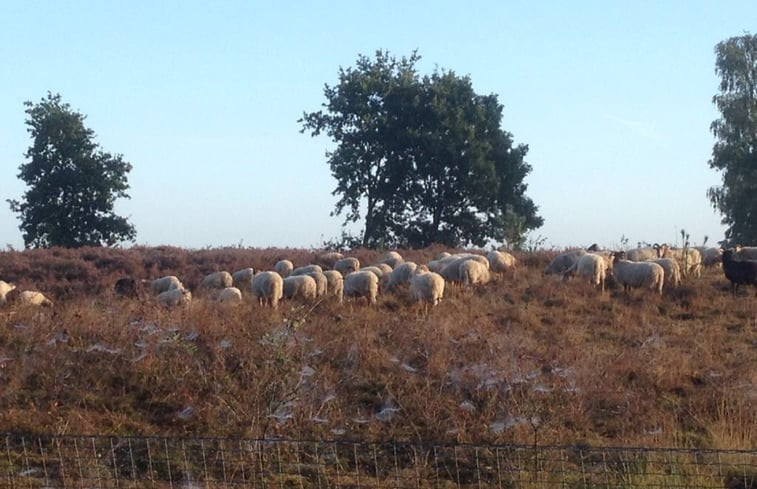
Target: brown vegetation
<point x="531" y="359"/>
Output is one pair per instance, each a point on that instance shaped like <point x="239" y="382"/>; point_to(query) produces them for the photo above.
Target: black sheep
<point x="739" y="272"/>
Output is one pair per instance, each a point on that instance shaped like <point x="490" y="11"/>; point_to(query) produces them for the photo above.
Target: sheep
<point x="401" y="275"/>
<point x="174" y="297"/>
<point x="334" y="284"/>
<point x="451" y="266"/>
<point x="392" y="258"/>
<point x="284" y="268"/>
<point x="689" y="259"/>
<point x="127" y="287"/>
<point x="268" y="288"/>
<point x="473" y="272"/>
<point x="328" y="259"/>
<point x="5" y="287"/>
<point x="672" y="271"/>
<point x="500" y="262"/>
<point x="592" y="266"/>
<point x="34" y="298"/>
<point x="216" y="280"/>
<point x="300" y="287"/>
<point x="562" y="262"/>
<point x="347" y="265"/>
<point x="230" y="296"/>
<point x="711" y="256"/>
<point x="426" y="286"/>
<point x="375" y="270"/>
<point x="361" y="284"/>
<point x="321" y="282"/>
<point x="242" y="278"/>
<point x="162" y="284"/>
<point x="643" y="253"/>
<point x="637" y="274"/>
<point x="739" y="272"/>
<point x="745" y="253"/>
<point x="306" y="269"/>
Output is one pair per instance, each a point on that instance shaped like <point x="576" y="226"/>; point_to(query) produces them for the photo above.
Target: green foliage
<point x="72" y="183"/>
<point x="425" y="156"/>
<point x="735" y="149"/>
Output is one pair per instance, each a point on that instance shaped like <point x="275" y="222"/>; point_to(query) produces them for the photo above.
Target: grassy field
<point x="524" y="359"/>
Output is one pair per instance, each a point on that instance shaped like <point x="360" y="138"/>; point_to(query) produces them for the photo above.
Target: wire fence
<point x="209" y="463"/>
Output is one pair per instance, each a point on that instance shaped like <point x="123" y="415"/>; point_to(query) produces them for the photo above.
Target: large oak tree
<point x="424" y="157"/>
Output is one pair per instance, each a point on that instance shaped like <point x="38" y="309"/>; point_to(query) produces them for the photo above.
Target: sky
<point x="613" y="99"/>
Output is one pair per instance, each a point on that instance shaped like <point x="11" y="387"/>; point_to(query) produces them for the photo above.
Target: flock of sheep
<point x="334" y="275"/>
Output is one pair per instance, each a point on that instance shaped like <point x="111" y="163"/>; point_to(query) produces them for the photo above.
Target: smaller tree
<point x="72" y="184"/>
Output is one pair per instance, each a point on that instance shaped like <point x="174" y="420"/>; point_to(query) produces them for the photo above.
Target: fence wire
<point x="53" y="462"/>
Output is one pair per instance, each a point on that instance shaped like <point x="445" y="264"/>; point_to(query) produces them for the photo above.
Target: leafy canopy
<point x="72" y="184"/>
<point x="735" y="150"/>
<point x="423" y="158"/>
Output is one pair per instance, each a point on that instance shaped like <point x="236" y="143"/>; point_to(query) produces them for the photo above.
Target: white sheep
<point x="392" y="258"/>
<point x="268" y="288"/>
<point x="174" y="297"/>
<point x="643" y="253"/>
<point x="361" y="284"/>
<point x="335" y="284"/>
<point x="711" y="256"/>
<point x="162" y="284"/>
<point x="321" y="282"/>
<point x="451" y="271"/>
<point x="672" y="271"/>
<point x="284" y="268"/>
<point x="303" y="270"/>
<point x="632" y="274"/>
<point x="591" y="266"/>
<point x="5" y="287"/>
<point x="500" y="262"/>
<point x="401" y="275"/>
<point x="242" y="279"/>
<point x="347" y="265"/>
<point x="301" y="287"/>
<point x="230" y="296"/>
<point x="216" y="280"/>
<point x="328" y="259"/>
<point x="746" y="252"/>
<point x="473" y="272"/>
<point x="563" y="261"/>
<point x="689" y="259"/>
<point x="34" y="298"/>
<point x="426" y="286"/>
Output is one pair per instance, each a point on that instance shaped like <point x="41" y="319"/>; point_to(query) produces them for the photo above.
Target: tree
<point x="425" y="155"/>
<point x="735" y="149"/>
<point x="72" y="183"/>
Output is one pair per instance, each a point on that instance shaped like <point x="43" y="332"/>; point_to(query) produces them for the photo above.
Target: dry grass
<point x="526" y="360"/>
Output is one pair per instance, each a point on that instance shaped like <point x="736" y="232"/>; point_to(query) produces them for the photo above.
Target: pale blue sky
<point x="613" y="99"/>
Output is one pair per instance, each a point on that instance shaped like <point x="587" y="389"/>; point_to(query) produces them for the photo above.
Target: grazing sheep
<point x="711" y="256"/>
<point x="5" y="287"/>
<point x="268" y="288"/>
<point x="401" y="275"/>
<point x="689" y="259"/>
<point x="426" y="286"/>
<point x="34" y="298"/>
<point x="321" y="282"/>
<point x="301" y="287"/>
<point x="230" y="296"/>
<point x="632" y="274"/>
<point x="473" y="272"/>
<point x="335" y="284"/>
<point x="217" y="280"/>
<point x="562" y="262"/>
<point x="500" y="262"/>
<point x="242" y="279"/>
<point x="745" y="253"/>
<point x="591" y="266"/>
<point x="162" y="284"/>
<point x="392" y="258"/>
<point x="361" y="284"/>
<point x="347" y="265"/>
<point x="374" y="270"/>
<point x="304" y="270"/>
<point x="672" y="271"/>
<point x="643" y="253"/>
<point x="174" y="297"/>
<point x="739" y="272"/>
<point x="449" y="267"/>
<point x="284" y="268"/>
<point x="127" y="287"/>
<point x="328" y="259"/>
